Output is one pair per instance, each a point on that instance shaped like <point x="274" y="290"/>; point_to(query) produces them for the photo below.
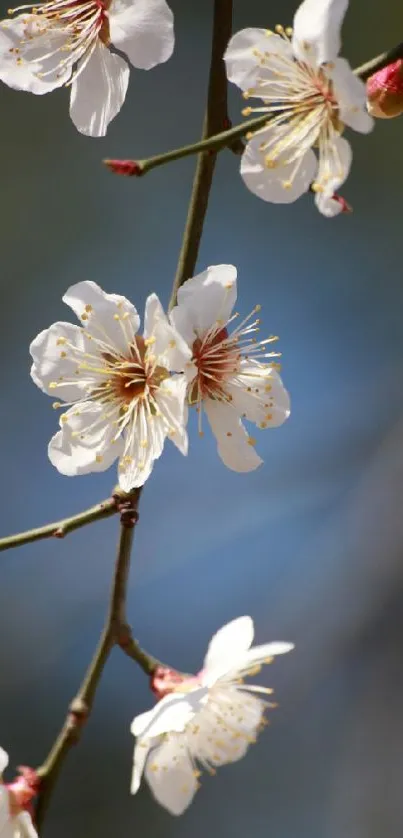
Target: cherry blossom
<point x="66" y="42"/>
<point x="15" y="819"/>
<point x="309" y="96"/>
<point x="203" y="721"/>
<point x="227" y="379"/>
<point x="116" y="389"/>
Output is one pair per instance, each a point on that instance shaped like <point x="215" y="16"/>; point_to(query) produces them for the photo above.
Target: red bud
<point x="129" y="168"/>
<point x="385" y="91"/>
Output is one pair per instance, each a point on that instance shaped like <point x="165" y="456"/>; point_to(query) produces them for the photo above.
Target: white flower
<point x="123" y="399"/>
<point x="206" y="721"/>
<point x="66" y="42"/>
<point x="308" y="94"/>
<point x="14" y="821"/>
<point x="226" y="379"/>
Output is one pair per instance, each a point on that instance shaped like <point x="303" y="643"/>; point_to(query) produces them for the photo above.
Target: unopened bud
<point x="23" y="790"/>
<point x="385" y="91"/>
<point x="129" y="168"/>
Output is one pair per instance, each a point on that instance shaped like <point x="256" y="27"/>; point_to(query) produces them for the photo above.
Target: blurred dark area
<point x="311" y="544"/>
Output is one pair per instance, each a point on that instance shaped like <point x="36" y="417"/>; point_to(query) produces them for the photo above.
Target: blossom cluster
<point x="122" y="390"/>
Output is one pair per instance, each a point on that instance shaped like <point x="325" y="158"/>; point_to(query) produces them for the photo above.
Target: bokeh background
<point x="311" y="545"/>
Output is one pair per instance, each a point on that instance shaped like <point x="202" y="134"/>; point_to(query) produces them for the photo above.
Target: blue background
<point x="311" y="544"/>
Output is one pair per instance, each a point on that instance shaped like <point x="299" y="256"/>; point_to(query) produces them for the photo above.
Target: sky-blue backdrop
<point x="311" y="545"/>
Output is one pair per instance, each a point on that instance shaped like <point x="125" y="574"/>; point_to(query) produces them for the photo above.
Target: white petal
<point x="172" y="713"/>
<point x="206" y="298"/>
<point x="267" y="650"/>
<point x="167" y="340"/>
<point x="143" y="29"/>
<point x="261" y="398"/>
<point x="85" y="443"/>
<point x="233" y="443"/>
<point x="170" y="775"/>
<point x="3" y="760"/>
<point x="327" y="205"/>
<point x="351" y="95"/>
<point x="54" y="361"/>
<point x="20" y="69"/>
<point x="23" y="826"/>
<point x="141" y="750"/>
<point x="170" y="398"/>
<point x="243" y="56"/>
<point x="316" y="30"/>
<point x="6" y="822"/>
<point x="98" y="312"/>
<point x="334" y="165"/>
<point x="229" y="644"/>
<point x="98" y="93"/>
<point x="280" y="185"/>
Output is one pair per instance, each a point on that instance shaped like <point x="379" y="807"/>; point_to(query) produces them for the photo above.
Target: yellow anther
<point x="56" y="405"/>
<point x="64" y="418"/>
<point x="251" y="440"/>
<point x="172" y="344"/>
<point x="258" y="307"/>
<point x="149" y="341"/>
<point x="84" y="316"/>
<point x="267" y="388"/>
<point x="61" y="341"/>
<point x="288" y="31"/>
<point x="279" y="29"/>
<point x="269" y="417"/>
<point x="143" y="443"/>
<point x="53" y="385"/>
<point x="99" y="458"/>
<point x="263" y="425"/>
<point x="88" y="308"/>
<point x="247" y="111"/>
<point x="116" y="317"/>
<point x="63" y="354"/>
<point x="229" y="433"/>
<point x="286" y="184"/>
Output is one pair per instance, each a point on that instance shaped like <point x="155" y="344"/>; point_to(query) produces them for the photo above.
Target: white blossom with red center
<point x="15" y="800"/>
<point x="232" y="376"/>
<point x="116" y="388"/>
<point x="66" y="42"/>
<point x="202" y="721"/>
<point x="308" y="94"/>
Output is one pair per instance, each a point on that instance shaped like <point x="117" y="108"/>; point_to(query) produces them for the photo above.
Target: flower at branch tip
<point x="385" y="91"/>
<point x="202" y="721"/>
<point x="115" y="387"/>
<point x="226" y="378"/>
<point x="67" y="42"/>
<point x="15" y="799"/>
<point x="309" y="96"/>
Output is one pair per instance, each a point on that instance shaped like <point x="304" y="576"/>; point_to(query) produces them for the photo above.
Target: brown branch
<point x="215" y="120"/>
<point x="115" y="632"/>
<point x="59" y="529"/>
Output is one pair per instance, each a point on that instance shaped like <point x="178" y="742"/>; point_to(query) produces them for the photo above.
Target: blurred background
<point x="311" y="544"/>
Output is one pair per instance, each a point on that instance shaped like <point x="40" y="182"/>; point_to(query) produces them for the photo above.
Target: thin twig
<point x="59" y="529"/>
<point x="215" y="119"/>
<point x="226" y="139"/>
<point x="115" y="632"/>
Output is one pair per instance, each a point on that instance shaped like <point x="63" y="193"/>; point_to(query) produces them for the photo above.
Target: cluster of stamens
<point x="79" y="24"/>
<point x="128" y="382"/>
<point x="218" y="355"/>
<point x="301" y="104"/>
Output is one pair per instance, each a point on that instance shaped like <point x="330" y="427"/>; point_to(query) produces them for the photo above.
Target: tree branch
<point x="115" y="632"/>
<point x="215" y="119"/>
<point x="59" y="529"/>
<point x="228" y="139"/>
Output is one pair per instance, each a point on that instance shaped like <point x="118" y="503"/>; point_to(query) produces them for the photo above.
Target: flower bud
<point x="385" y="91"/>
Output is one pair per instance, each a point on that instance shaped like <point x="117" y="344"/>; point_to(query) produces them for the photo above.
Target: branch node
<point x="128" y="168"/>
<point x="59" y="533"/>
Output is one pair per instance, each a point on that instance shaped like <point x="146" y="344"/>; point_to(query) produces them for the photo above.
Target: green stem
<point x="214" y="120"/>
<point x="60" y="528"/>
<point x="223" y="139"/>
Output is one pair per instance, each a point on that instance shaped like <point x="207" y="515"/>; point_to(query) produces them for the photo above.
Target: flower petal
<point x="245" y="54"/>
<point x="170" y="775"/>
<point x="98" y="92"/>
<point x="172" y="713"/>
<point x="282" y="184"/>
<point x="29" y="58"/>
<point x="3" y="760"/>
<point x="258" y="654"/>
<point x="6" y="822"/>
<point x="167" y="340"/>
<point x="141" y="751"/>
<point x="56" y="362"/>
<point x="334" y="165"/>
<point x="170" y="398"/>
<point x="327" y="205"/>
<point x="143" y="29"/>
<point x="228" y="644"/>
<point x="205" y="299"/>
<point x="108" y="317"/>
<point x="234" y="445"/>
<point x="23" y="826"/>
<point x="317" y="30"/>
<point x="259" y="395"/>
<point x="351" y="95"/>
<point x="85" y="443"/>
